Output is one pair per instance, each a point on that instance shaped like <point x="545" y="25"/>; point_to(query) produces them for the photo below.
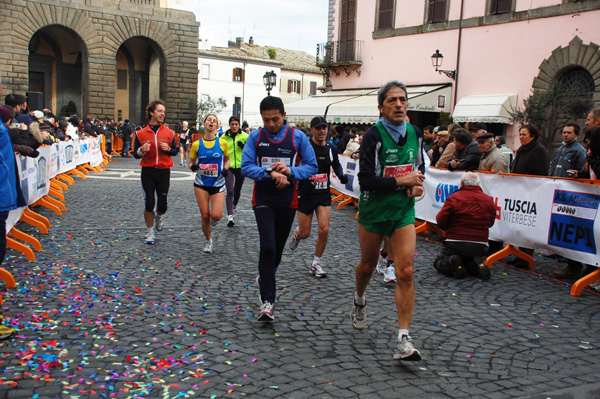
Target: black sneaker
<point x="483" y="272"/>
<point x="458" y="270"/>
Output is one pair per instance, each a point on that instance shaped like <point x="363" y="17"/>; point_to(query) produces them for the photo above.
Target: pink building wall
<point x="494" y="59"/>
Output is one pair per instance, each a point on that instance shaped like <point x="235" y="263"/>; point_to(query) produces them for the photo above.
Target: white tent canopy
<point x="360" y="105"/>
<point x="487" y="108"/>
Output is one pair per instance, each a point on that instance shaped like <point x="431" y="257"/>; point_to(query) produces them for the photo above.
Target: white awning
<point x="487" y="108"/>
<point x="360" y="105"/>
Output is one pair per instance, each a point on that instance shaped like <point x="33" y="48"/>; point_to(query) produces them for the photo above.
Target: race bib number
<point x="319" y="181"/>
<point x="266" y="161"/>
<point x="397" y="171"/>
<point x="209" y="170"/>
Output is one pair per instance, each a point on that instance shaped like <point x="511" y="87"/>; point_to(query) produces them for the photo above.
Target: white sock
<point x="150" y="230"/>
<point x="402" y="332"/>
<point x="316" y="259"/>
<point x="360" y="300"/>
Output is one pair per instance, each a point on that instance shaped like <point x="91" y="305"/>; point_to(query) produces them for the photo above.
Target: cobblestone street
<point x="100" y="314"/>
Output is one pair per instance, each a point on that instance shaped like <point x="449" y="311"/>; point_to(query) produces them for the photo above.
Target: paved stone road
<point x="102" y="315"/>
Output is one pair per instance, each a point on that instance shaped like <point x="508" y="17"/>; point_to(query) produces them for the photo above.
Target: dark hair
<point x="594" y="146"/>
<point x="462" y="136"/>
<point x="500" y="139"/>
<point x="382" y="92"/>
<point x="575" y="125"/>
<point x="428" y="127"/>
<point x="11" y="100"/>
<point x="533" y="131"/>
<point x="270" y="103"/>
<point x="234" y="118"/>
<point x="152" y="107"/>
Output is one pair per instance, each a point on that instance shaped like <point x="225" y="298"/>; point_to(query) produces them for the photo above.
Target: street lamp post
<point x="436" y="61"/>
<point x="269" y="79"/>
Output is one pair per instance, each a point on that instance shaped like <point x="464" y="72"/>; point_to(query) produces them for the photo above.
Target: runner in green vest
<point x="391" y="176"/>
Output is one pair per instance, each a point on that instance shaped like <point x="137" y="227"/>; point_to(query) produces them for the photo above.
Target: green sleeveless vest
<point x="379" y="206"/>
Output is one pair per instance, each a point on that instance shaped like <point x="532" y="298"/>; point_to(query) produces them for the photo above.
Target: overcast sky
<point x="290" y="24"/>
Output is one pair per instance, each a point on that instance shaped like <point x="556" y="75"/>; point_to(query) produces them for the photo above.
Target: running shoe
<point x="405" y="350"/>
<point x="294" y="242"/>
<point x="230" y="222"/>
<point x="266" y="312"/>
<point x="158" y="223"/>
<point x="390" y="274"/>
<point x="150" y="237"/>
<point x="358" y="316"/>
<point x="208" y="247"/>
<point x="381" y="264"/>
<point x="213" y="222"/>
<point x="317" y="271"/>
<point x="6" y="332"/>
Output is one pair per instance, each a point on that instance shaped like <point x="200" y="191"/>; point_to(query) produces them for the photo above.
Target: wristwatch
<point x="269" y="170"/>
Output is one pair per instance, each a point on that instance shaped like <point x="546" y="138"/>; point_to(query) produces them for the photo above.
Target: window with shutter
<point x="238" y="75"/>
<point x="290" y="84"/>
<point x="436" y="11"/>
<point x="347" y="31"/>
<point x="313" y="88"/>
<point x="501" y="7"/>
<point x="298" y="86"/>
<point x="385" y="15"/>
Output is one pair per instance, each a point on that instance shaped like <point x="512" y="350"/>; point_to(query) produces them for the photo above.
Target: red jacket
<point x="153" y="158"/>
<point x="467" y="215"/>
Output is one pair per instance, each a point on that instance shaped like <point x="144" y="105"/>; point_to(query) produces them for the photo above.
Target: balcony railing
<point x="339" y="53"/>
<point x="146" y="2"/>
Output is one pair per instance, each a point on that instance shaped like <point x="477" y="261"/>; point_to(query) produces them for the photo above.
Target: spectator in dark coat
<point x="532" y="156"/>
<point x="467" y="155"/>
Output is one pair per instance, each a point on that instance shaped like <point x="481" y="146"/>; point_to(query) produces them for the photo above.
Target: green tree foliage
<point x="272" y="52"/>
<point x="550" y="110"/>
<point x="206" y="105"/>
<point x="444" y="119"/>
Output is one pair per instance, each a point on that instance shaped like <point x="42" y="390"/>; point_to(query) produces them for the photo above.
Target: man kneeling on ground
<point x="467" y="216"/>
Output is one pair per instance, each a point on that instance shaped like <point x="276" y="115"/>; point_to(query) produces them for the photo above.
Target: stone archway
<point x="56" y="58"/>
<point x="46" y="22"/>
<point x="575" y="55"/>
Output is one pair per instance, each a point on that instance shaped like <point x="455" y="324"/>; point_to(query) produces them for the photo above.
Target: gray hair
<point x="470" y="179"/>
<point x="382" y="92"/>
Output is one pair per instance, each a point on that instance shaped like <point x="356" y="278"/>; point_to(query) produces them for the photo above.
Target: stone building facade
<point x="109" y="57"/>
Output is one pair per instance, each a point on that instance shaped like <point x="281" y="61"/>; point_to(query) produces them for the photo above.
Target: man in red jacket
<point x="155" y="144"/>
<point x="467" y="216"/>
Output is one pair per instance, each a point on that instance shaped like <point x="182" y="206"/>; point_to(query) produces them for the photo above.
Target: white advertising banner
<point x="35" y="173"/>
<point x="560" y="215"/>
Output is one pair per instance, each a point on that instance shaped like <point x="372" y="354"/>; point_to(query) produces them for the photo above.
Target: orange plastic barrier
<point x="19" y="235"/>
<point x="584" y="282"/>
<point x="36" y="220"/>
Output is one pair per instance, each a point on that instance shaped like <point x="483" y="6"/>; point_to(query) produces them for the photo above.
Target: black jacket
<point x="531" y="159"/>
<point x="468" y="158"/>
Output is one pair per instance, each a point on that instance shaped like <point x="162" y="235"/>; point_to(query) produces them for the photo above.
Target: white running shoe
<point x="150" y="237"/>
<point x="390" y="274"/>
<point x="213" y="222"/>
<point x="405" y="350"/>
<point x="230" y="222"/>
<point x="266" y="312"/>
<point x="208" y="247"/>
<point x="381" y="265"/>
<point x="294" y="242"/>
<point x="316" y="270"/>
<point x="358" y="316"/>
<point x="158" y="223"/>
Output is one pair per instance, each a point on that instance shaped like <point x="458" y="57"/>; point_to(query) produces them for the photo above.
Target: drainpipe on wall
<point x="462" y="3"/>
<point x="243" y="96"/>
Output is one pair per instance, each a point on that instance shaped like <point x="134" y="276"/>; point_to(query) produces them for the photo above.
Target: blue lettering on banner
<point x="443" y="191"/>
<point x="572" y="221"/>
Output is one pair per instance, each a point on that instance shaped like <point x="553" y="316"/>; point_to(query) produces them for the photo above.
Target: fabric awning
<point x="360" y="105"/>
<point x="487" y="108"/>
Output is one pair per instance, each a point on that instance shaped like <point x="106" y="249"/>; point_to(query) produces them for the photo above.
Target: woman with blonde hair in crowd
<point x="209" y="158"/>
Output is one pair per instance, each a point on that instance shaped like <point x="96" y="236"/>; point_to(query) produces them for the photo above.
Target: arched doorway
<point x="57" y="71"/>
<point x="139" y="78"/>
